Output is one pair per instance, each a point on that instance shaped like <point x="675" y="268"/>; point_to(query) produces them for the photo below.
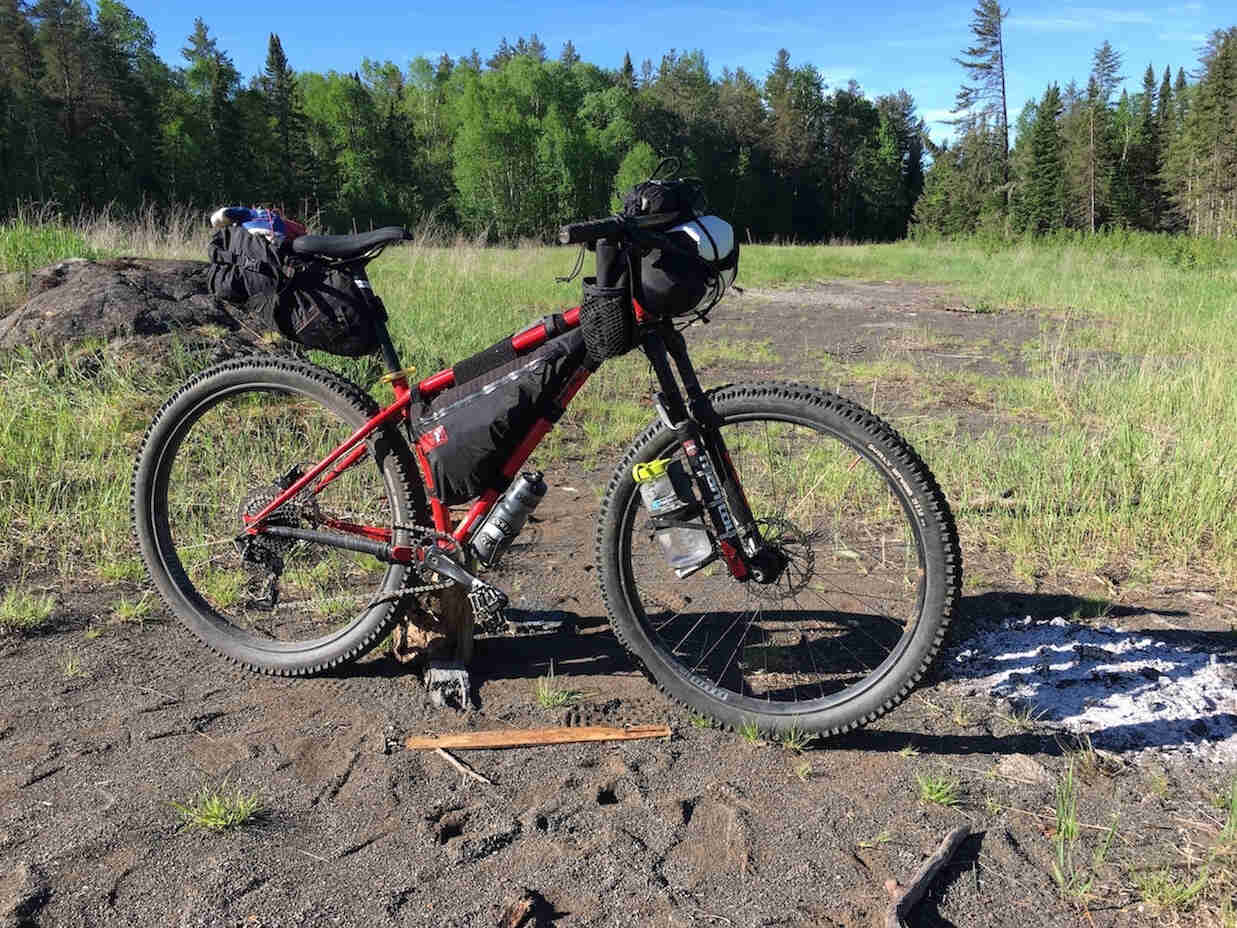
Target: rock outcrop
<point x="80" y="299"/>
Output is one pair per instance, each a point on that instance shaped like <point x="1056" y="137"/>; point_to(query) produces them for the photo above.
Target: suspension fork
<point x="696" y="423"/>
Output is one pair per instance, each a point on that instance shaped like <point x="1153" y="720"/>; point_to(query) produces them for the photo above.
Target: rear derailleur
<point x="262" y="555"/>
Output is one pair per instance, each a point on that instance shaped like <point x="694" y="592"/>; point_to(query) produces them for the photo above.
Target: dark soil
<point x="705" y="829"/>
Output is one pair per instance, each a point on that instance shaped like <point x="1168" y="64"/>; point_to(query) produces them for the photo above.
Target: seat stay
<point x="253" y="524"/>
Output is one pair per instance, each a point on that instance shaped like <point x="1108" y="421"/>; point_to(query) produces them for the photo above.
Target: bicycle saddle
<point x="345" y="247"/>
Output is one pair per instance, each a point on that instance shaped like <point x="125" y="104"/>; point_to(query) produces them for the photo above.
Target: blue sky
<point x="884" y="46"/>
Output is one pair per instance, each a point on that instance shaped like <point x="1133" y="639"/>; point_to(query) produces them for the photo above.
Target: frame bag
<point x="467" y="433"/>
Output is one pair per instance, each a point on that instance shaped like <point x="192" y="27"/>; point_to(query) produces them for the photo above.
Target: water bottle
<point x="667" y="493"/>
<point x="508" y="516"/>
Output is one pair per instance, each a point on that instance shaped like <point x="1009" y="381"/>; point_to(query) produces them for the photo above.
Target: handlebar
<point x="585" y="233"/>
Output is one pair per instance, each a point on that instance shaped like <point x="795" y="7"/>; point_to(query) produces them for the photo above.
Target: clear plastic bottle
<point x="667" y="493"/>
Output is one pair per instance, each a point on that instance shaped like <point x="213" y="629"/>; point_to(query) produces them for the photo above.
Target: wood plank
<point x="531" y="737"/>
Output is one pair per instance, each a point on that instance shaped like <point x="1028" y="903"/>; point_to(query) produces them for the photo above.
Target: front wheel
<point x="870" y="583"/>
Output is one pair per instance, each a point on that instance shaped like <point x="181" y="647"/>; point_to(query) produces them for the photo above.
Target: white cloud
<point x="1112" y="17"/>
<point x="1049" y="24"/>
<point x="840" y="75"/>
<point x="1082" y="19"/>
<point x="1197" y="37"/>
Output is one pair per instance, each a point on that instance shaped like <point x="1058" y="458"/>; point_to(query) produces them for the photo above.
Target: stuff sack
<point x="242" y="265"/>
<point x="306" y="301"/>
<point x="664" y="203"/>
<point x="467" y="433"/>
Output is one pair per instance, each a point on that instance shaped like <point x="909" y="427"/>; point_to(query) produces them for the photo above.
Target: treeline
<point x="1162" y="159"/>
<point x="513" y="146"/>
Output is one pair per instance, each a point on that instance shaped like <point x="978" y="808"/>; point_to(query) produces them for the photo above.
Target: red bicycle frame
<point x="354" y="447"/>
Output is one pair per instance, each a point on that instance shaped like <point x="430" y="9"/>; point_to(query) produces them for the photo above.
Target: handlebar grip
<point x="582" y="233"/>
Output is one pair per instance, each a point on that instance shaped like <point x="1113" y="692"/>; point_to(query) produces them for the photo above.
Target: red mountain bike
<point x="770" y="552"/>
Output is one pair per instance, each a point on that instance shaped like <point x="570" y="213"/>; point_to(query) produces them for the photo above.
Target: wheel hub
<point x="785" y="564"/>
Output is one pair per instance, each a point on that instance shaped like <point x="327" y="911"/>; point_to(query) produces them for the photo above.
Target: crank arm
<point x="444" y="565"/>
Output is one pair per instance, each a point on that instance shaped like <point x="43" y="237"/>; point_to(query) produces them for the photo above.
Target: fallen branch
<point x="905" y="898"/>
<point x="461" y="766"/>
<point x="531" y="737"/>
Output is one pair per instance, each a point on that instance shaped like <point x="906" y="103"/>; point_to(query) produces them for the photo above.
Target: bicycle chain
<point x="424" y="536"/>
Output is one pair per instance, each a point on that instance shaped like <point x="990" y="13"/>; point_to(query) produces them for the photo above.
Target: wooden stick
<point x="906" y="897"/>
<point x="530" y="737"/>
<point x="461" y="766"/>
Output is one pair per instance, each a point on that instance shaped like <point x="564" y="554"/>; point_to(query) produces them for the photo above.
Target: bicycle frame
<point x="723" y="499"/>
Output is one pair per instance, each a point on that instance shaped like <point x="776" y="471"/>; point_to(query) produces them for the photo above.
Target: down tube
<point x="521" y="454"/>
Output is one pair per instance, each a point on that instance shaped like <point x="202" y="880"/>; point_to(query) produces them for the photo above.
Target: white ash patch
<point x="1129" y="691"/>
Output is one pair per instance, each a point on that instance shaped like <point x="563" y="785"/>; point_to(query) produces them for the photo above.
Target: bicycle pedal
<point x="488" y="607"/>
<point x="536" y="622"/>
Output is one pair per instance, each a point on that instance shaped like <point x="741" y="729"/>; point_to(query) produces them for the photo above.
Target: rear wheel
<point x="221" y="448"/>
<point x="871" y="579"/>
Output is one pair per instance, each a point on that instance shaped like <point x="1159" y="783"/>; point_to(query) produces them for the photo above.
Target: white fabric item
<point x="722" y="234"/>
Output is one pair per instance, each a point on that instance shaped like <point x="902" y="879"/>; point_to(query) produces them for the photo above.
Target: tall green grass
<point x="25" y="246"/>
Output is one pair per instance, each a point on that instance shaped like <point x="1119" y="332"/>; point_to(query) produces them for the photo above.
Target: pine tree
<point x="1147" y="157"/>
<point x="1045" y="195"/>
<point x="1164" y="115"/>
<point x="627" y="74"/>
<point x="287" y="148"/>
<point x="1181" y="98"/>
<point x="982" y="100"/>
<point x="500" y="57"/>
<point x="1099" y="155"/>
<point x="569" y="54"/>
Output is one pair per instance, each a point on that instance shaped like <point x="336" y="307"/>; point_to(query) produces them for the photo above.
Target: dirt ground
<point x="705" y="829"/>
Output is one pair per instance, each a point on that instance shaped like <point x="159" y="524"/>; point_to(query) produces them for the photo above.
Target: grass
<point x="549" y="696"/>
<point x="1023" y="718"/>
<point x="71" y="667"/>
<point x="938" y="789"/>
<point x="795" y="739"/>
<point x="218" y="809"/>
<point x="750" y="732"/>
<point x="1167" y="890"/>
<point x="132" y="610"/>
<point x="884" y="836"/>
<point x="21" y="610"/>
<point x="1073" y="878"/>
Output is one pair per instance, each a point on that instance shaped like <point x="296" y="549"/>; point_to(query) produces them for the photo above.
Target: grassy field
<point x="1118" y="445"/>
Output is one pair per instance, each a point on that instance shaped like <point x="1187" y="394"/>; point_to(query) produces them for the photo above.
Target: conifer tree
<point x="627" y="74"/>
<point x="1045" y="195"/>
<point x="981" y="99"/>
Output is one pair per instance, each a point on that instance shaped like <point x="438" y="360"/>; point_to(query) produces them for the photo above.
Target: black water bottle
<point x="508" y="516"/>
